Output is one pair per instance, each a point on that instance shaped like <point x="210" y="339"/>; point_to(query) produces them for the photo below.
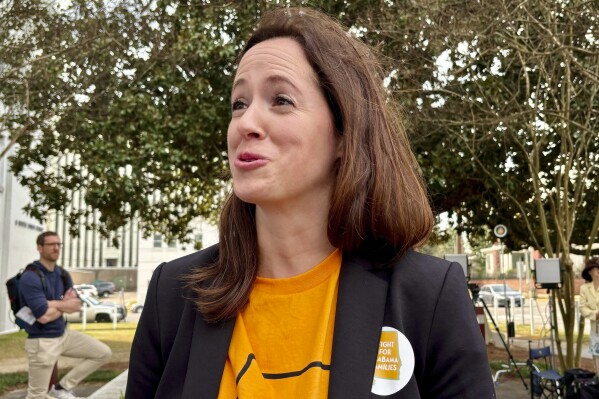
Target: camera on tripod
<point x="474" y="289"/>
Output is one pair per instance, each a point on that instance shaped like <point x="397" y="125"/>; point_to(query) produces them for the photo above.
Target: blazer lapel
<point x="359" y="318"/>
<point x="208" y="353"/>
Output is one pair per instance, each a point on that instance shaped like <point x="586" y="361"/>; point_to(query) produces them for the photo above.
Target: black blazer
<point x="175" y="354"/>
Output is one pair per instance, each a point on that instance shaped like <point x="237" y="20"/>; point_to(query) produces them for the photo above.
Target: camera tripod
<point x="475" y="297"/>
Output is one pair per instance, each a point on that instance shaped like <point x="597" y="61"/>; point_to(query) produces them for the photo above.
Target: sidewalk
<point x="86" y="390"/>
<point x="522" y="342"/>
<point x="505" y="389"/>
<point x="511" y="388"/>
<point x="114" y="389"/>
<point x="82" y="391"/>
<point x="111" y="390"/>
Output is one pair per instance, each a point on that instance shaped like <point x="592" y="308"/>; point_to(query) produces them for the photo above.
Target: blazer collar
<point x="207" y="357"/>
<point x="359" y="318"/>
<point x="358" y="321"/>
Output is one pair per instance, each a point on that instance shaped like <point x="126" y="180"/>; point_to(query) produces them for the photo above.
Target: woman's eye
<point x="282" y="100"/>
<point x="237" y="104"/>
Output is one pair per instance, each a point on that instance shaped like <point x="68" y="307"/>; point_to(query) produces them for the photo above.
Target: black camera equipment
<point x="475" y="290"/>
<point x="548" y="274"/>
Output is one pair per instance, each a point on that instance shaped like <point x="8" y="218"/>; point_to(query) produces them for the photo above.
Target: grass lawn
<point x="119" y="340"/>
<point x="523" y="330"/>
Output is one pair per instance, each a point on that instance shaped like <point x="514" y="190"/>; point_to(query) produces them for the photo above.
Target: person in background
<point x="589" y="304"/>
<point x="49" y="294"/>
<point x="314" y="290"/>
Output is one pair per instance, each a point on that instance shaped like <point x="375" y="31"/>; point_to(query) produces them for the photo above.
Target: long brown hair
<point x="379" y="204"/>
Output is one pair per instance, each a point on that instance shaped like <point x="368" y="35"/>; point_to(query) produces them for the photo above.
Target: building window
<point x="111" y="262"/>
<point x="172" y="244"/>
<point x="157" y="240"/>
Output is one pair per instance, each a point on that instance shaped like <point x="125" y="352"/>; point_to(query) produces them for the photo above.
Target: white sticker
<point x="394" y="363"/>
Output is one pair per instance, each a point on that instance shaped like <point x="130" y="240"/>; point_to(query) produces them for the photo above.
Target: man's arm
<point x="50" y="315"/>
<point x="45" y="311"/>
<point x="69" y="304"/>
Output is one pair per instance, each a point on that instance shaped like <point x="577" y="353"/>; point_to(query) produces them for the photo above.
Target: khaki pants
<point x="42" y="353"/>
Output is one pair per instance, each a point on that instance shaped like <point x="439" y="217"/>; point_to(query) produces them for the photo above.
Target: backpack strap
<point x="33" y="268"/>
<point x="65" y="277"/>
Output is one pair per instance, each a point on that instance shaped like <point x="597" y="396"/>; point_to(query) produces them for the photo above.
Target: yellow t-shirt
<point x="282" y="341"/>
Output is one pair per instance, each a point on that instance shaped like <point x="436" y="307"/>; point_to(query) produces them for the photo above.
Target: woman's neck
<point x="291" y="243"/>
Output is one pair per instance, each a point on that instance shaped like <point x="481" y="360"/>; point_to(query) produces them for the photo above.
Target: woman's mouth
<point x="248" y="157"/>
<point x="249" y="161"/>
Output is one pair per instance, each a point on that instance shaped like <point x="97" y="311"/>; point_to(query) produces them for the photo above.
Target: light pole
<point x="500" y="232"/>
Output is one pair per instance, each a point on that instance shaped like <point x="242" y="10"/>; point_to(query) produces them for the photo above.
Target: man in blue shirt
<point x="49" y="297"/>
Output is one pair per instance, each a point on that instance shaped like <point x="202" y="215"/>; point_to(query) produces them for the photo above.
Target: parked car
<point x="96" y="311"/>
<point x="104" y="288"/>
<point x="86" y="289"/>
<point x="489" y="292"/>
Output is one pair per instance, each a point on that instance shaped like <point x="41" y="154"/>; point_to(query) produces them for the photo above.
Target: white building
<point x="90" y="254"/>
<point x="18" y="233"/>
<point x="499" y="261"/>
<point x="155" y="250"/>
<point x="85" y="256"/>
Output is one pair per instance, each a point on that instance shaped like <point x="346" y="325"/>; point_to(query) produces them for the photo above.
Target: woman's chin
<point x="250" y="196"/>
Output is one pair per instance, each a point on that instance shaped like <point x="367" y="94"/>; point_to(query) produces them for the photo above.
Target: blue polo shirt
<point x="36" y="298"/>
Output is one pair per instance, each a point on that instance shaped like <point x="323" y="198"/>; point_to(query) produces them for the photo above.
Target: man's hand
<point x="68" y="304"/>
<point x="71" y="293"/>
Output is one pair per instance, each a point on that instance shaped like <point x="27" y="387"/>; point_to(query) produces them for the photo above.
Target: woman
<point x="313" y="290"/>
<point x="589" y="304"/>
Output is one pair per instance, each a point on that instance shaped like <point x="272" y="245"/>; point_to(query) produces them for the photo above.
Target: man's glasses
<point x="53" y="244"/>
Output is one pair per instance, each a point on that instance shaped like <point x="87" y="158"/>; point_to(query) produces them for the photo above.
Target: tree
<point x="501" y="100"/>
<point x="130" y="109"/>
<point x="506" y="122"/>
<point x="125" y="103"/>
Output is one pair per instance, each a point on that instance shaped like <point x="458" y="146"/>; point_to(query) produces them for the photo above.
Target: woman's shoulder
<point x="169" y="283"/>
<point x="586" y="286"/>
<point x="422" y="274"/>
<point x="422" y="264"/>
<point x="411" y="269"/>
<point x="186" y="264"/>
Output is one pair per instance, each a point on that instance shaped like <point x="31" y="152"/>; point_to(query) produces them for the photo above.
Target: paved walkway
<point x="505" y="389"/>
<point x="511" y="389"/>
<point x="82" y="391"/>
<point x="114" y="389"/>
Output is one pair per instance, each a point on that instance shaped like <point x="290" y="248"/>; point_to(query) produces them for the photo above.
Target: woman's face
<point x="282" y="145"/>
<point x="594" y="273"/>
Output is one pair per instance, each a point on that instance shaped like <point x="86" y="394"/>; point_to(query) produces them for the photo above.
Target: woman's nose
<point x="251" y="123"/>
